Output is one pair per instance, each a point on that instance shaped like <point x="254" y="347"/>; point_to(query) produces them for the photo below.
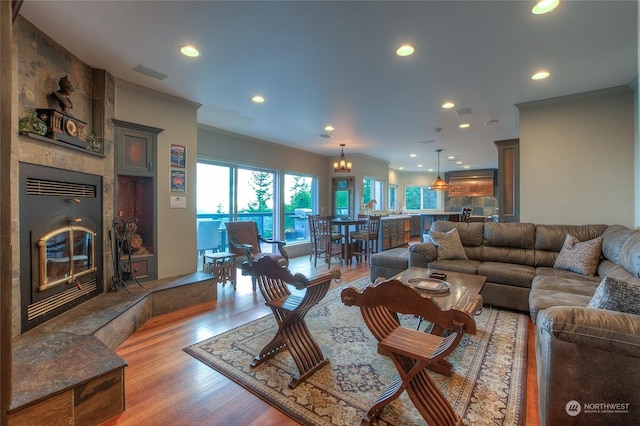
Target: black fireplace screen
<point x="61" y="242"/>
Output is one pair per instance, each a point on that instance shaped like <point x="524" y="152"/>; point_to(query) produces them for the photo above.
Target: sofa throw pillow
<point x="617" y="295"/>
<point x="448" y="244"/>
<point x="579" y="257"/>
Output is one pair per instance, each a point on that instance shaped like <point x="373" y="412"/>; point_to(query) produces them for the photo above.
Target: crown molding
<point x="617" y="90"/>
<point x="156" y="94"/>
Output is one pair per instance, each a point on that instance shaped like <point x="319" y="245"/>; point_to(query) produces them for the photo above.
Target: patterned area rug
<point x="487" y="386"/>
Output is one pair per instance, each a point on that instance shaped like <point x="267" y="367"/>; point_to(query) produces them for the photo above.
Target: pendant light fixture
<point x="342" y="165"/>
<point x="439" y="184"/>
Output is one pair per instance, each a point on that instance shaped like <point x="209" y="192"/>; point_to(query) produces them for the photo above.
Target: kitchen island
<point x="395" y="231"/>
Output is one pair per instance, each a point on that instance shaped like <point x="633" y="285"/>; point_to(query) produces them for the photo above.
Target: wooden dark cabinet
<point x="416" y="227"/>
<point x="394" y="232"/>
<point x="135" y="149"/>
<point x="509" y="180"/>
<point x="471" y="183"/>
<point x="136" y="192"/>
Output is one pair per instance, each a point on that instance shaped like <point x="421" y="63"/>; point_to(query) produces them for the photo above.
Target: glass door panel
<point x="255" y="201"/>
<point x="214" y="206"/>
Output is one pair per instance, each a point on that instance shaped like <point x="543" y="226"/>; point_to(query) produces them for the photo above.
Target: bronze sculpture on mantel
<point x="61" y="125"/>
<point x="62" y="95"/>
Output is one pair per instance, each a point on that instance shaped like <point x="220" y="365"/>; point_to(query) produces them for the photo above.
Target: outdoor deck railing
<point x="295" y="225"/>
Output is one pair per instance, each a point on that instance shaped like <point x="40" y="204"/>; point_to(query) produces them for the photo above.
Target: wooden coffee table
<point x="463" y="295"/>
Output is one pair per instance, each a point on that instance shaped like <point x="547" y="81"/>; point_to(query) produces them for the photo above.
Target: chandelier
<point x="439" y="184"/>
<point x="342" y="165"/>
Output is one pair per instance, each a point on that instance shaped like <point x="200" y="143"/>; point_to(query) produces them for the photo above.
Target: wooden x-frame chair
<point x="289" y="311"/>
<point x="411" y="351"/>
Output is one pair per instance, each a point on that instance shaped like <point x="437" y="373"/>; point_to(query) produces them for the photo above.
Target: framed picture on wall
<point x="178" y="156"/>
<point x="178" y="180"/>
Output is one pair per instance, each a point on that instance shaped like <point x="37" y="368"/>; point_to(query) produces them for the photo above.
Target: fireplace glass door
<point x="66" y="254"/>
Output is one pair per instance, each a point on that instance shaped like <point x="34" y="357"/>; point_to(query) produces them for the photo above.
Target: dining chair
<point x="312" y="237"/>
<point x="465" y="214"/>
<point x="325" y="241"/>
<point x="244" y="242"/>
<point x="365" y="241"/>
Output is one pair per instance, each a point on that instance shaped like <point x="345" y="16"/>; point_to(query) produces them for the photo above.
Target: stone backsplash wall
<point x="482" y="206"/>
<point x="38" y="63"/>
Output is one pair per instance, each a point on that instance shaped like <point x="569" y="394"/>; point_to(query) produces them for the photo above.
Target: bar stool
<point x="325" y="242"/>
<point x="365" y="241"/>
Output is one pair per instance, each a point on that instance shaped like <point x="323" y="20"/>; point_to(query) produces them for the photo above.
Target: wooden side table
<point x="222" y="266"/>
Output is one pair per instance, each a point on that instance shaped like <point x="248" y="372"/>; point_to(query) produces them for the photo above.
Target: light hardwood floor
<point x="166" y="386"/>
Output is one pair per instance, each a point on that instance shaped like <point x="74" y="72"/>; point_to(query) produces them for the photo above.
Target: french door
<point x="227" y="192"/>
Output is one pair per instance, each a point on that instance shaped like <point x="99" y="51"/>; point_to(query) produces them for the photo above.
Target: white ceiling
<point x="334" y="62"/>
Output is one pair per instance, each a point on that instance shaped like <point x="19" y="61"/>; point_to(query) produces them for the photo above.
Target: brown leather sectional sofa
<point x="588" y="359"/>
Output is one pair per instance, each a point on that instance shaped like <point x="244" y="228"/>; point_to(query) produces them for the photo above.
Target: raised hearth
<point x="78" y="378"/>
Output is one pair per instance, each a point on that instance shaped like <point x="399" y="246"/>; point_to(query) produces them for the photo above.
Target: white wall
<point x="362" y="165"/>
<point x="577" y="159"/>
<point x="176" y="227"/>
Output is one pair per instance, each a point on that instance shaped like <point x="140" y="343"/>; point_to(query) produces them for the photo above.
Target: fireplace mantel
<point x="62" y="144"/>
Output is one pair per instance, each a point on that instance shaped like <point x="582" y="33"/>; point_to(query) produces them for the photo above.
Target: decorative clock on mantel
<point x="63" y="127"/>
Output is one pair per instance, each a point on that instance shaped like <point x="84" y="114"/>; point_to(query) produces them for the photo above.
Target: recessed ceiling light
<point x="429" y="170"/>
<point x="464" y="125"/>
<point x="458" y="162"/>
<point x="190" y="51"/>
<point x="451" y="157"/>
<point x="412" y="155"/>
<point x="448" y="105"/>
<point x="400" y="168"/>
<point x="329" y="128"/>
<point x="544" y="6"/>
<point x="405" y="50"/>
<point x="540" y="75"/>
<point x="258" y="99"/>
<point x="466" y="166"/>
<point x="419" y="165"/>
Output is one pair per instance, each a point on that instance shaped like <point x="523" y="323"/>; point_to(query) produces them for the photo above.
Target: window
<point x="422" y="198"/>
<point x="372" y="190"/>
<point x="393" y="198"/>
<point x="298" y="204"/>
<point x="232" y="193"/>
<point x="228" y="192"/>
<point x="256" y="190"/>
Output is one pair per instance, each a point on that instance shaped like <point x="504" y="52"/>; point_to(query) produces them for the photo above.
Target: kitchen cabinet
<point x="416" y="229"/>
<point x="471" y="183"/>
<point x="395" y="231"/>
<point x="509" y="180"/>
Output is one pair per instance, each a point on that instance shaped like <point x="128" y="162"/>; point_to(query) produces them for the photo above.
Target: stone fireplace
<point x="63" y="194"/>
<point x="61" y="241"/>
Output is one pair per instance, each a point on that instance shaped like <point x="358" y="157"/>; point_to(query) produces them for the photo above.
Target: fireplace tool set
<point x="121" y="235"/>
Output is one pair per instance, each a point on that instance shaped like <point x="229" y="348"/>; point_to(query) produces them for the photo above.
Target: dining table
<point x="345" y="225"/>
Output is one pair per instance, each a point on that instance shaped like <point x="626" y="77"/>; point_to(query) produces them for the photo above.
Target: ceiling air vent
<point x="324" y="135"/>
<point x="463" y="111"/>
<point x="150" y="73"/>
